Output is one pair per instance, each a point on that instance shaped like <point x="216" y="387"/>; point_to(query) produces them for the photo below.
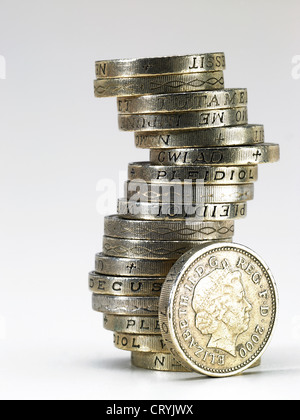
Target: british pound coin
<point x="163" y="362"/>
<point x="244" y="155"/>
<point x="157" y="361"/>
<point x="152" y="250"/>
<point x="132" y="324"/>
<point x="185" y="101"/>
<point x="125" y="286"/>
<point x="136" y="86"/>
<point x="139" y="343"/>
<point x="137" y="67"/>
<point x="188" y="192"/>
<point x="218" y="308"/>
<point x="183" y="120"/>
<point x="160" y="230"/>
<point x="208" y="174"/>
<point x="203" y="213"/>
<point x="123" y="305"/>
<point x="205" y="137"/>
<point x="131" y="267"/>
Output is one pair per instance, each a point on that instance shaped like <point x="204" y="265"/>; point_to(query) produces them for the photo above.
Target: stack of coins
<point x="204" y="160"/>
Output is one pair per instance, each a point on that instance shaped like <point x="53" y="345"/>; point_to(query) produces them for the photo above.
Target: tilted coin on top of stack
<point x="203" y="163"/>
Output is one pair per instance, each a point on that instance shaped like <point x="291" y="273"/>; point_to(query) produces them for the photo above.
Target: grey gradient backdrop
<point x="57" y="141"/>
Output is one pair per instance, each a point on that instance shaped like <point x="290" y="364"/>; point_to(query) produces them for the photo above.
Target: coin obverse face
<point x="218" y="309"/>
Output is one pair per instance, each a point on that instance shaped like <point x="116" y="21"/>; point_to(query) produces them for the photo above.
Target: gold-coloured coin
<point x="157" y="361"/>
<point x="183" y="120"/>
<point x="152" y="250"/>
<point x="244" y="155"/>
<point x="188" y="192"/>
<point x="163" y="362"/>
<point x="168" y="230"/>
<point x="123" y="305"/>
<point x="185" y="101"/>
<point x="203" y="213"/>
<point x="218" y="308"/>
<point x="132" y="267"/>
<point x="139" y="343"/>
<point x="205" y="137"/>
<point x="208" y="174"/>
<point x="125" y="286"/>
<point x="136" y="86"/>
<point x="132" y="324"/>
<point x="137" y="67"/>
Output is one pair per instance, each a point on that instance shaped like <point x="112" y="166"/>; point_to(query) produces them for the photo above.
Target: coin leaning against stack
<point x="204" y="159"/>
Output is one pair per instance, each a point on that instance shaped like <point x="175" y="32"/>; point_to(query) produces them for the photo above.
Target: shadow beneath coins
<point x="124" y="365"/>
<point x="255" y="372"/>
<point x="199" y="376"/>
<point x="274" y="367"/>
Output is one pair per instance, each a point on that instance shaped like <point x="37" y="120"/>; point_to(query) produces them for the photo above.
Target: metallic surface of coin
<point x="185" y="101"/>
<point x="163" y="362"/>
<point x="160" y="230"/>
<point x="218" y="309"/>
<point x="205" y="212"/>
<point x="244" y="155"/>
<point x="136" y="67"/>
<point x="140" y="343"/>
<point x="183" y="120"/>
<point x="187" y="192"/>
<point x="208" y="174"/>
<point x="134" y="248"/>
<point x="136" y="86"/>
<point x="132" y="324"/>
<point x="125" y="286"/>
<point x="121" y="305"/>
<point x="131" y="267"/>
<point x="157" y="361"/>
<point x="205" y="137"/>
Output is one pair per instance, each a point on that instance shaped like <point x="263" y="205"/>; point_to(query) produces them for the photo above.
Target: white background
<point x="58" y="141"/>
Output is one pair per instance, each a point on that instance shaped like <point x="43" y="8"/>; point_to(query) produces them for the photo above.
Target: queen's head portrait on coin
<point x="218" y="309"/>
<point x="222" y="309"/>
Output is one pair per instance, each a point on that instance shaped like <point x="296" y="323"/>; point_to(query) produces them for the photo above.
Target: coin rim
<point x="141" y="103"/>
<point x="170" y="291"/>
<point x="130" y="67"/>
<point x="234" y="155"/>
<point x="189" y="119"/>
